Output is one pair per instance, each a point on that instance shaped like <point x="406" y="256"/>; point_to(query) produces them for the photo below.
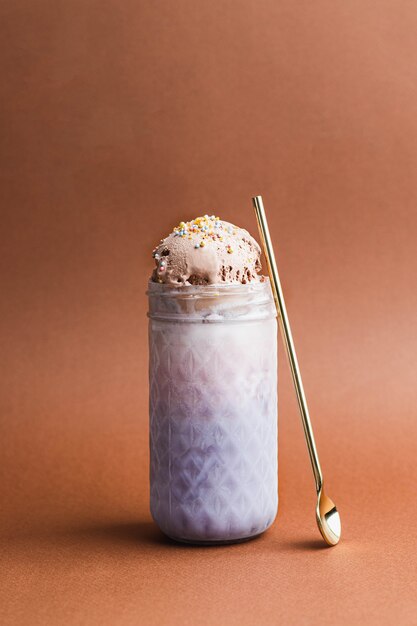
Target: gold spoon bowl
<point x="328" y="519"/>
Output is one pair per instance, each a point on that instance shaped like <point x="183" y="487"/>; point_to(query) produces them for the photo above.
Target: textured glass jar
<point x="213" y="410"/>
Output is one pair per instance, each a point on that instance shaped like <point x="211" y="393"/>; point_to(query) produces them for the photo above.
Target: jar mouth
<point x="201" y="291"/>
<point x="229" y="302"/>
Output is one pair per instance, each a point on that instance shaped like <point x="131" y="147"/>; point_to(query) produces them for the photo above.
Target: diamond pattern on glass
<point x="213" y="429"/>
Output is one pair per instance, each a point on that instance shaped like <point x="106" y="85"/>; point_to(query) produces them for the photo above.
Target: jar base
<point x="214" y="542"/>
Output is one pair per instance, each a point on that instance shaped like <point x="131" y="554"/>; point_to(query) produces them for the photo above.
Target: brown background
<point x="118" y="120"/>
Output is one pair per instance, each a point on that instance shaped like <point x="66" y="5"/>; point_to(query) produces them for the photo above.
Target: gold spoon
<point x="327" y="516"/>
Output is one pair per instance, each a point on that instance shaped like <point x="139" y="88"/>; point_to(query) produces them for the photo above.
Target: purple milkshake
<point x="213" y="386"/>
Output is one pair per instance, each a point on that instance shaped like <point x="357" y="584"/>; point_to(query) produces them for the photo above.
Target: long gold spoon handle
<point x="287" y="337"/>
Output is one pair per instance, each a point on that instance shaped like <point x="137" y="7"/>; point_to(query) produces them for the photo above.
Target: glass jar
<point x="213" y="410"/>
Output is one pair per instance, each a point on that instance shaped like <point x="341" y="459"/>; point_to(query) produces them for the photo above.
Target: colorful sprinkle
<point x="208" y="228"/>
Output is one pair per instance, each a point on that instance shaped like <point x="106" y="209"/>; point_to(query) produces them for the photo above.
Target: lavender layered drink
<point x="213" y="385"/>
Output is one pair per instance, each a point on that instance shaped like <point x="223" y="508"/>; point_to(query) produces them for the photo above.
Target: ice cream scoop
<point x="207" y="250"/>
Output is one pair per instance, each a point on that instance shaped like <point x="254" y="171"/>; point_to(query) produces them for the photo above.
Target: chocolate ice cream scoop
<point x="207" y="250"/>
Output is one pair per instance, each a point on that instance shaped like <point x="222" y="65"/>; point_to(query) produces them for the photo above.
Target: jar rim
<point x="225" y="303"/>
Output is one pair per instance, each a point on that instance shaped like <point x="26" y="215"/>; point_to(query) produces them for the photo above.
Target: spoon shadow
<point x="310" y="544"/>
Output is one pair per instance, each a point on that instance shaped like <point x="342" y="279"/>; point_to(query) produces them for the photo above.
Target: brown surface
<point x="120" y="118"/>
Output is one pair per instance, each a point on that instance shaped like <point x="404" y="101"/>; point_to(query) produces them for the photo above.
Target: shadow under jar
<point x="213" y="410"/>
